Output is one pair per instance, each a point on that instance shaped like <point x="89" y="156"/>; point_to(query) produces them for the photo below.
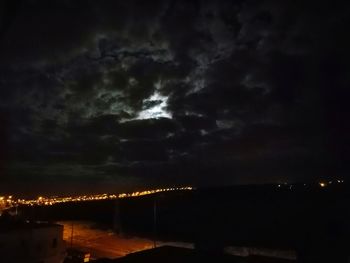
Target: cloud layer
<point x="172" y="92"/>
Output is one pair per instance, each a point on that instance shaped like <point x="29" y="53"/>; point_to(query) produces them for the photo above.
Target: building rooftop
<point x="9" y="223"/>
<point x="171" y="254"/>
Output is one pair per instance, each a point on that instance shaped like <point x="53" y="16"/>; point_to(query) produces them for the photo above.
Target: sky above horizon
<point x="121" y="95"/>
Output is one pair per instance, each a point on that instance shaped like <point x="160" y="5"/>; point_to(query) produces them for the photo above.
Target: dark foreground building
<point x="28" y="242"/>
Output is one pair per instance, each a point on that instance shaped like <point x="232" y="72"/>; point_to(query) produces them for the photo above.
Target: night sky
<point x="118" y="95"/>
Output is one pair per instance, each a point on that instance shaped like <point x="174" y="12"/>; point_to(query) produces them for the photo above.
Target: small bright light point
<point x="323" y="184"/>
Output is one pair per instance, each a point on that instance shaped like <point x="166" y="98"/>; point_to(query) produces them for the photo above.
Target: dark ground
<point x="311" y="220"/>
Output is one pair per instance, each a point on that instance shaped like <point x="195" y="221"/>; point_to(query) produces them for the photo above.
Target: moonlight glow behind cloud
<point x="156" y="111"/>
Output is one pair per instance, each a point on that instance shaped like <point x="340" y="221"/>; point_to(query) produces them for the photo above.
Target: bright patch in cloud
<point x="156" y="111"/>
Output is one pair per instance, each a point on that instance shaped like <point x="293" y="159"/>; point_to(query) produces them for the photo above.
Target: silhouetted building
<point x="25" y="242"/>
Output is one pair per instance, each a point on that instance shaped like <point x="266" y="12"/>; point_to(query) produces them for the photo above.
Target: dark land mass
<point x="308" y="219"/>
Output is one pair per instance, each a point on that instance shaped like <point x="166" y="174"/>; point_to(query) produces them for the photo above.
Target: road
<point x="104" y="243"/>
<point x="101" y="243"/>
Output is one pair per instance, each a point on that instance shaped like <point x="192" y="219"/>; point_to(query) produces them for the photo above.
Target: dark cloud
<point x="172" y="92"/>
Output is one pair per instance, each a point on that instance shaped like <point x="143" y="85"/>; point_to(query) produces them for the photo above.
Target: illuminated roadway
<point x="105" y="243"/>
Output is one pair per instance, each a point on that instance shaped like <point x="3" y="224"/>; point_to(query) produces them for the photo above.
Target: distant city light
<point x="47" y="201"/>
<point x="322" y="184"/>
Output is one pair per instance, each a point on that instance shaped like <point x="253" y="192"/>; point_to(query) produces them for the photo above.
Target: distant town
<point x="11" y="201"/>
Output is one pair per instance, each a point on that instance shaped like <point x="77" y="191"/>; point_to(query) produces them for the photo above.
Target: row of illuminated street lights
<point x="8" y="201"/>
